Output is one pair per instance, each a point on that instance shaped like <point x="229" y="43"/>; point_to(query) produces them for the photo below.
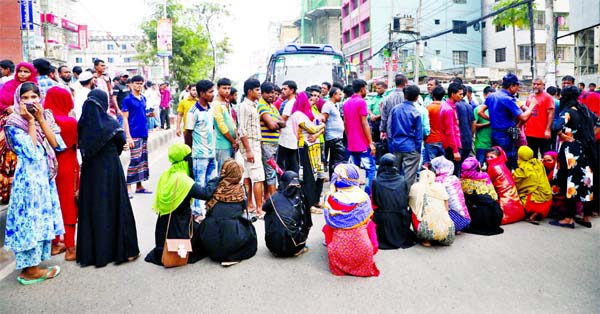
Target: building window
<point x="483" y="54"/>
<point x="78" y="60"/>
<point x="366" y="26"/>
<point x="436" y="22"/>
<point x="482" y="24"/>
<point x="562" y="20"/>
<point x="437" y="52"/>
<point x="346" y="37"/>
<point x="459" y="57"/>
<point x="110" y="47"/>
<point x="355" y="32"/>
<point x="539" y="19"/>
<point x="500" y="28"/>
<point x="460" y="1"/>
<point x="564" y="53"/>
<point x="459" y="27"/>
<point x="354" y="5"/>
<point x="123" y="47"/>
<point x="524" y="53"/>
<point x="346" y="10"/>
<point x="127" y="59"/>
<point x="501" y="55"/>
<point x="111" y="60"/>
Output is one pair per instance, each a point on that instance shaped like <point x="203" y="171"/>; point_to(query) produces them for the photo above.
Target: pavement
<point x="528" y="269"/>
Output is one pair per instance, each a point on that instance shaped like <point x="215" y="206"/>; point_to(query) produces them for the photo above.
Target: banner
<point x="164" y="38"/>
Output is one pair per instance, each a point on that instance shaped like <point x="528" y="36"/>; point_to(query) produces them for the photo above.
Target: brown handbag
<point x="177" y="251"/>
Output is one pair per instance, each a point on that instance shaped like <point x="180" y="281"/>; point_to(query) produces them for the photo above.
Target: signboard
<point x="164" y="38"/>
<point x="26" y="8"/>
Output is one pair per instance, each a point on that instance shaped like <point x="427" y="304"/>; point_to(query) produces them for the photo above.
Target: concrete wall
<point x="10" y="28"/>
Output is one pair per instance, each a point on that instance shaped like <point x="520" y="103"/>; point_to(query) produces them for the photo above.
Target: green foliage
<point x="192" y="58"/>
<point x="516" y="17"/>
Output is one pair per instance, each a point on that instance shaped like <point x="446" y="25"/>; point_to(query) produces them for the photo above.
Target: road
<point x="528" y="269"/>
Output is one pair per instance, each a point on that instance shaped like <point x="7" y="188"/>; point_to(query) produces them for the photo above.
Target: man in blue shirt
<point x="136" y="130"/>
<point x="505" y="115"/>
<point x="406" y="134"/>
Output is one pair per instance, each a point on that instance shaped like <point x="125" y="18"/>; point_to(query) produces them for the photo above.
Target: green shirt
<point x="483" y="136"/>
<point x="373" y="104"/>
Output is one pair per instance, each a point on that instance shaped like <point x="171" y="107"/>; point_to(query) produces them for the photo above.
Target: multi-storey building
<point x="366" y="26"/>
<point x="118" y="52"/>
<point x="586" y="33"/>
<point x="319" y="22"/>
<point x="498" y="49"/>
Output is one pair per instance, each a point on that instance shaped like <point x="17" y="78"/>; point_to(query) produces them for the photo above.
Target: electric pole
<point x="550" y="60"/>
<point x="418" y="29"/>
<point x="532" y="39"/>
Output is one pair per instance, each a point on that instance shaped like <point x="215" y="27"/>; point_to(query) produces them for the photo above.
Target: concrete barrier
<point x="156" y="139"/>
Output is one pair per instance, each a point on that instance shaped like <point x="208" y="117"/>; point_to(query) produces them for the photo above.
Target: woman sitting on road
<point x="533" y="186"/>
<point x="226" y="233"/>
<point x="511" y="205"/>
<point x="350" y="235"/>
<point x="389" y="194"/>
<point x="174" y="194"/>
<point x="457" y="209"/>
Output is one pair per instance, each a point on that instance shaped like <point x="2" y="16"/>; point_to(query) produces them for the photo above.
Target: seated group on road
<point x="435" y="167"/>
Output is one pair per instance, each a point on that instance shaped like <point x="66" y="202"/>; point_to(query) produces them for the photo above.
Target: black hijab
<point x="388" y="176"/>
<point x="95" y="127"/>
<point x="569" y="99"/>
<point x="289" y="185"/>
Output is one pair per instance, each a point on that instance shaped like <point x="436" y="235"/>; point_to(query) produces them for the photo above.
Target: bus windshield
<point x="308" y="69"/>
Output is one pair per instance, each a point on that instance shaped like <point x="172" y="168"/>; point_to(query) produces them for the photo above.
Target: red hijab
<point x="60" y="102"/>
<point x="7" y="92"/>
<point x="303" y="105"/>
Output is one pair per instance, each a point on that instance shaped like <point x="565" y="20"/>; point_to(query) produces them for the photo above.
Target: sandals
<point x="227" y="264"/>
<point x="143" y="191"/>
<point x="558" y="224"/>
<point x="27" y="282"/>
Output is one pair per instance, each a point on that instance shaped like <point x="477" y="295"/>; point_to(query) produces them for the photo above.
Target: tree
<point x="209" y="16"/>
<point x="192" y="59"/>
<point x="514" y="17"/>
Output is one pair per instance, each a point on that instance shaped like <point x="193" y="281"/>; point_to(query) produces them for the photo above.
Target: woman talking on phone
<point x="34" y="216"/>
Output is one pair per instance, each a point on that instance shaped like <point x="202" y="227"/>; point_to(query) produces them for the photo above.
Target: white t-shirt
<point x="287" y="138"/>
<point x="80" y="97"/>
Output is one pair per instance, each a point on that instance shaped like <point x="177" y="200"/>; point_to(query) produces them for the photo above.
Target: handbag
<point x="176" y="252"/>
<point x="290" y="233"/>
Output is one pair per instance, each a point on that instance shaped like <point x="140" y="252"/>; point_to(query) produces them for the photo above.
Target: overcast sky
<point x="247" y="28"/>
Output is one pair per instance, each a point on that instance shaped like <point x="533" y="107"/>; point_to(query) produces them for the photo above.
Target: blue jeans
<point x="502" y="138"/>
<point x="480" y="155"/>
<point x="221" y="155"/>
<point x="204" y="170"/>
<point x="367" y="162"/>
<point x="431" y="151"/>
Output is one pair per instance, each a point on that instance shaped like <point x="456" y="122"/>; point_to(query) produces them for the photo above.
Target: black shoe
<point x="584" y="223"/>
<point x="558" y="224"/>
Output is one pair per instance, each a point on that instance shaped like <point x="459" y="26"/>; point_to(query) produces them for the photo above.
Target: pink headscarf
<point x="471" y="170"/>
<point x="303" y="105"/>
<point x="7" y="92"/>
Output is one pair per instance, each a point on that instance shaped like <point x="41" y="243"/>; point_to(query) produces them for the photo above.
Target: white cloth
<point x="80" y="97"/>
<point x="287" y="138"/>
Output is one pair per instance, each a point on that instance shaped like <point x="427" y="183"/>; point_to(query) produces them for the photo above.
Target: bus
<point x="306" y="65"/>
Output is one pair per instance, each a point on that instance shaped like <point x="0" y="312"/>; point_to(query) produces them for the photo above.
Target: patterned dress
<point x="34" y="217"/>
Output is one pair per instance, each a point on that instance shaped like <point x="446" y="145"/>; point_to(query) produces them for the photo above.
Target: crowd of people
<point x="435" y="166"/>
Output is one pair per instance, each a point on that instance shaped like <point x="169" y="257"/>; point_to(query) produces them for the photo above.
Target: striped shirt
<point x="249" y="121"/>
<point x="200" y="121"/>
<point x="268" y="136"/>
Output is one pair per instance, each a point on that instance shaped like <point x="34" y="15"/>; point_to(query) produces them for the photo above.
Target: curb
<point x="156" y="140"/>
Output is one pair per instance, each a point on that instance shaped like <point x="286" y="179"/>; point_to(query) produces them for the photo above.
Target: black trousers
<point x="287" y="159"/>
<point x="450" y="156"/>
<point x="336" y="153"/>
<point x="164" y="118"/>
<point x="539" y="145"/>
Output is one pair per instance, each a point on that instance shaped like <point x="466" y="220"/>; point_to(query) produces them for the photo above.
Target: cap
<point x="85" y="76"/>
<point x="122" y="74"/>
<point x="511" y="79"/>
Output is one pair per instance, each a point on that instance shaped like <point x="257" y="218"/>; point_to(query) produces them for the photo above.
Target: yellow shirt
<point x="184" y="106"/>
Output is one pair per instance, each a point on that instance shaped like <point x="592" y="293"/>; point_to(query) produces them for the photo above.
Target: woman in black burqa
<point x="287" y="218"/>
<point x="107" y="231"/>
<point x="389" y="195"/>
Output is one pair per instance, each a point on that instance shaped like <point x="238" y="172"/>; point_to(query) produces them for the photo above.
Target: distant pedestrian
<point x="44" y="68"/>
<point x="433" y="143"/>
<point x="7" y="71"/>
<point x="392" y="100"/>
<point x="165" y="105"/>
<point x="107" y="231"/>
<point x="183" y="108"/>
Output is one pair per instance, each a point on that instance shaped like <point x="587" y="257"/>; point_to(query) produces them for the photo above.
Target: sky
<point x="246" y="27"/>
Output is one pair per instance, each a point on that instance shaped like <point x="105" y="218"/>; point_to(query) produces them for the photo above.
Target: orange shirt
<point x="435" y="123"/>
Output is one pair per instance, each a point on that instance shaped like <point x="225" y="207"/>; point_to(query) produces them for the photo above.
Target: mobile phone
<point x="30" y="108"/>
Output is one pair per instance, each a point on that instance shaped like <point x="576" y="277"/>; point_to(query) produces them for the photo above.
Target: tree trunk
<point x="550" y="59"/>
<point x="514" y="38"/>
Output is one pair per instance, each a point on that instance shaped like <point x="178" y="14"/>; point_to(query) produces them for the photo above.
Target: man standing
<point x="250" y="154"/>
<point x="44" y="68"/>
<point x="165" y="105"/>
<point x="433" y="142"/>
<point x="103" y="82"/>
<point x="504" y="112"/>
<point x="7" y="71"/>
<point x="334" y="130"/>
<point x="406" y="134"/>
<point x="592" y="87"/>
<point x="226" y="143"/>
<point x="121" y="90"/>
<point x="567" y="80"/>
<point x="466" y="125"/>
<point x="270" y="123"/>
<point x="199" y="135"/>
<point x="183" y="108"/>
<point x="134" y="123"/>
<point x="374" y="108"/>
<point x="451" y="141"/>
<point x="538" y="129"/>
<point x="325" y="88"/>
<point x="431" y="84"/>
<point x="87" y="83"/>
<point x="65" y="76"/>
<point x="360" y="144"/>
<point x="287" y="152"/>
<point x="395" y="98"/>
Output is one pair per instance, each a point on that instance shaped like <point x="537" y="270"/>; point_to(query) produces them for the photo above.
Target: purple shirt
<point x="354" y="109"/>
<point x="165" y="98"/>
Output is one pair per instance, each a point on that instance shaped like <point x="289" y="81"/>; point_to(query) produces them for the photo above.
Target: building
<point x="35" y="29"/>
<point x="367" y="25"/>
<point x="282" y="33"/>
<point x="319" y="22"/>
<point x="586" y="34"/>
<point x="118" y="52"/>
<point x="499" y="52"/>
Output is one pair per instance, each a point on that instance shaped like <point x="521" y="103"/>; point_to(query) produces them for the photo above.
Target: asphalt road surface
<point x="528" y="269"/>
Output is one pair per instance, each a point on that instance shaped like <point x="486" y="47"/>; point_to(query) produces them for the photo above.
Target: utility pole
<point x="532" y="39"/>
<point x="550" y="41"/>
<point x="165" y="58"/>
<point x="390" y="73"/>
<point x="417" y="44"/>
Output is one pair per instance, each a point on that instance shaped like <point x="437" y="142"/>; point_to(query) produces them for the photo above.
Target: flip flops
<point x="27" y="282"/>
<point x="143" y="191"/>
